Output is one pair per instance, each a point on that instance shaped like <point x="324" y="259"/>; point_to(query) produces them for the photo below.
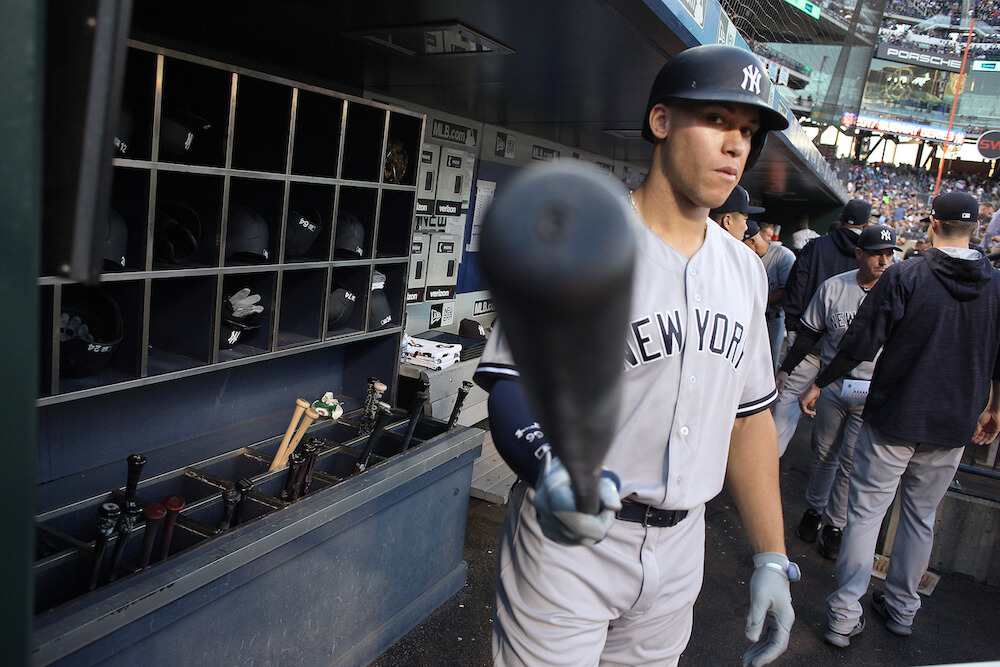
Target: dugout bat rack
<point x="205" y="413"/>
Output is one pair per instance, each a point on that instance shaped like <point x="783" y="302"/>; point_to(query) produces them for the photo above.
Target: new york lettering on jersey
<point x="661" y="335"/>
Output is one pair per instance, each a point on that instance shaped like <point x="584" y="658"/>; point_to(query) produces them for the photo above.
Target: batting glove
<point x="244" y="303"/>
<point x="771" y="615"/>
<point x="558" y="516"/>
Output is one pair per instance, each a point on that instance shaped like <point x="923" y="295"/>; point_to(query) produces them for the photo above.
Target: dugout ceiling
<point x="577" y="69"/>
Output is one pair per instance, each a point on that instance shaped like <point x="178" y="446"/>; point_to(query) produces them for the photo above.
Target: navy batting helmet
<point x="718" y="73"/>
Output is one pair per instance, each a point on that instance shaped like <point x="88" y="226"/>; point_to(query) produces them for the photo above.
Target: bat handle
<point x="310" y="449"/>
<point x="300" y="407"/>
<point x="154" y="513"/>
<point x="244" y="486"/>
<point x="384" y="413"/>
<point x="126" y="522"/>
<point x="229" y="499"/>
<point x="107" y="519"/>
<point x="416" y="408"/>
<point x="294" y="479"/>
<point x="136" y="462"/>
<point x="310" y="416"/>
<point x="463" y="391"/>
<point x="174" y="505"/>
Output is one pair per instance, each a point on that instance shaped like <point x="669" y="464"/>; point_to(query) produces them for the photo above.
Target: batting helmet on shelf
<point x="301" y="230"/>
<point x="340" y="307"/>
<point x="718" y="73"/>
<point x="350" y="236"/>
<point x="90" y="330"/>
<point x="176" y="233"/>
<point x="178" y="132"/>
<point x="115" y="242"/>
<point x="247" y="235"/>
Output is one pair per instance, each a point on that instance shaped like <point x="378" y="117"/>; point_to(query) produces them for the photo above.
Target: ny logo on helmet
<point x="886" y="235"/>
<point x="751" y="79"/>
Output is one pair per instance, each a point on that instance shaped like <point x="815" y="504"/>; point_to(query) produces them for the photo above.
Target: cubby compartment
<point x="390" y="303"/>
<point x="347" y="302"/>
<point x="134" y="137"/>
<point x="187" y="485"/>
<point x="194" y="116"/>
<point x="187" y="221"/>
<point x="318" y="120"/>
<point x="128" y="229"/>
<point x="250" y="334"/>
<point x="60" y="579"/>
<point x="340" y="432"/>
<point x="254" y="222"/>
<point x="99" y="331"/>
<point x="309" y="225"/>
<point x="402" y="149"/>
<point x="231" y="469"/>
<point x="260" y="133"/>
<point x="363" y="142"/>
<point x="338" y="463"/>
<point x="356" y="206"/>
<point x="302" y="315"/>
<point x="181" y="317"/>
<point x="395" y="224"/>
<point x="77" y="522"/>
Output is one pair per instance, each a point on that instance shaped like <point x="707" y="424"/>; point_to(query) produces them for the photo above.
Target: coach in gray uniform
<point x="838" y="408"/>
<point x="936" y="387"/>
<point x="778" y="261"/>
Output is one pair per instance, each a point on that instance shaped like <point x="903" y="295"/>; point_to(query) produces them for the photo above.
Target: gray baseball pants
<point x="835" y="431"/>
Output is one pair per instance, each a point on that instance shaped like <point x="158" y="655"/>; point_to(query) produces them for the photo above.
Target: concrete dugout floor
<point x="957" y="623"/>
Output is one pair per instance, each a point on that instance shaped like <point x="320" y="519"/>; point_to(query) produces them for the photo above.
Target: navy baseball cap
<point x="753" y="229"/>
<point x="856" y="212"/>
<point x="738" y="202"/>
<point x="877" y="237"/>
<point x="959" y="206"/>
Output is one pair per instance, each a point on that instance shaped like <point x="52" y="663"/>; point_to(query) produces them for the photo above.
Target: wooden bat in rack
<point x="308" y="417"/>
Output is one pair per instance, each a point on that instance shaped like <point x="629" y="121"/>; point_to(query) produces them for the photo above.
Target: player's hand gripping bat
<point x="557" y="253"/>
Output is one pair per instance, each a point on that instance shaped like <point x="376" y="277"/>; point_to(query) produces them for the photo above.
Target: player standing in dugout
<point x="619" y="587"/>
<point x="935" y="388"/>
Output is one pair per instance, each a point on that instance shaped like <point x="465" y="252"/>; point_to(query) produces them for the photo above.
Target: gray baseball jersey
<point x="831" y="311"/>
<point x="778" y="261"/>
<point x="698" y="357"/>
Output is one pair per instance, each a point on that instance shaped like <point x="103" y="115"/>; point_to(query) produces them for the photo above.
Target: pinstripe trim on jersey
<point x="809" y="328"/>
<point x="487" y="373"/>
<point x="753" y="407"/>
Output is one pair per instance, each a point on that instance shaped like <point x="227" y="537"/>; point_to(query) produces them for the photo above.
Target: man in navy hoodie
<point x="935" y="388"/>
<point x="822" y="258"/>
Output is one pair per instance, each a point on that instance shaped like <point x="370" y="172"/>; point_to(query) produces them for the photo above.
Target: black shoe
<point x="878" y="604"/>
<point x="829" y="542"/>
<point x="841" y="640"/>
<point x="809" y="526"/>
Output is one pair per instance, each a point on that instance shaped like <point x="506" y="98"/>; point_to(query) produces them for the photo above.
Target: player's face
<point x="706" y="149"/>
<point x="757" y="244"/>
<point x="873" y="263"/>
<point x="736" y="224"/>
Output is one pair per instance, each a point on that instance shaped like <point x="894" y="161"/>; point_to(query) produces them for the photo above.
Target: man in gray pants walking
<point x="936" y="387"/>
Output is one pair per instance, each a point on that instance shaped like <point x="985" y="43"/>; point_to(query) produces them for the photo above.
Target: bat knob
<point x="174" y="503"/>
<point x="154" y="512"/>
<point x="136" y="462"/>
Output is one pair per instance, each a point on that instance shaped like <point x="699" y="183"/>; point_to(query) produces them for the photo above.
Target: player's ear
<point x="857" y="253"/>
<point x="727" y="220"/>
<point x="659" y="120"/>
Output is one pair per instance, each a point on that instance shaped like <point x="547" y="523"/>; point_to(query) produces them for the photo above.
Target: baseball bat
<point x="307" y="419"/>
<point x="463" y="391"/>
<point x="136" y="462"/>
<point x="174" y="505"/>
<point x="154" y="513"/>
<point x="416" y="408"/>
<point x="230" y="496"/>
<point x="294" y="480"/>
<point x="310" y="449"/>
<point x="300" y="407"/>
<point x="384" y="412"/>
<point x="126" y="522"/>
<point x="244" y="486"/>
<point x="107" y="519"/>
<point x="557" y="253"/>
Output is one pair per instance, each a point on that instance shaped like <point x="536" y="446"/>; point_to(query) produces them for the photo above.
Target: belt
<point x="649" y="516"/>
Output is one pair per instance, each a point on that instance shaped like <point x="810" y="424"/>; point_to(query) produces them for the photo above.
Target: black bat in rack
<point x="383" y="413"/>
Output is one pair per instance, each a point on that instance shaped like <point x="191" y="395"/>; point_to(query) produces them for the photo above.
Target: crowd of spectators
<point x="900" y="194"/>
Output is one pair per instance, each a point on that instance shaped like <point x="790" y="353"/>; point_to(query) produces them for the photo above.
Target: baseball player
<point x="778" y="261"/>
<point x="619" y="587"/>
<point x="935" y="388"/>
<point x="735" y="212"/>
<point x="838" y="408"/>
<point x="802" y="234"/>
<point x="820" y="259"/>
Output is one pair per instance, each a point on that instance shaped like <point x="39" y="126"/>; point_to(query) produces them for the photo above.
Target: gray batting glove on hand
<point x="555" y="505"/>
<point x="770" y="606"/>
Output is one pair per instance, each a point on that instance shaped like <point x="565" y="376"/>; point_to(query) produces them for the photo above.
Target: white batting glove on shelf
<point x="769" y="622"/>
<point x="558" y="516"/>
<point x="244" y="303"/>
